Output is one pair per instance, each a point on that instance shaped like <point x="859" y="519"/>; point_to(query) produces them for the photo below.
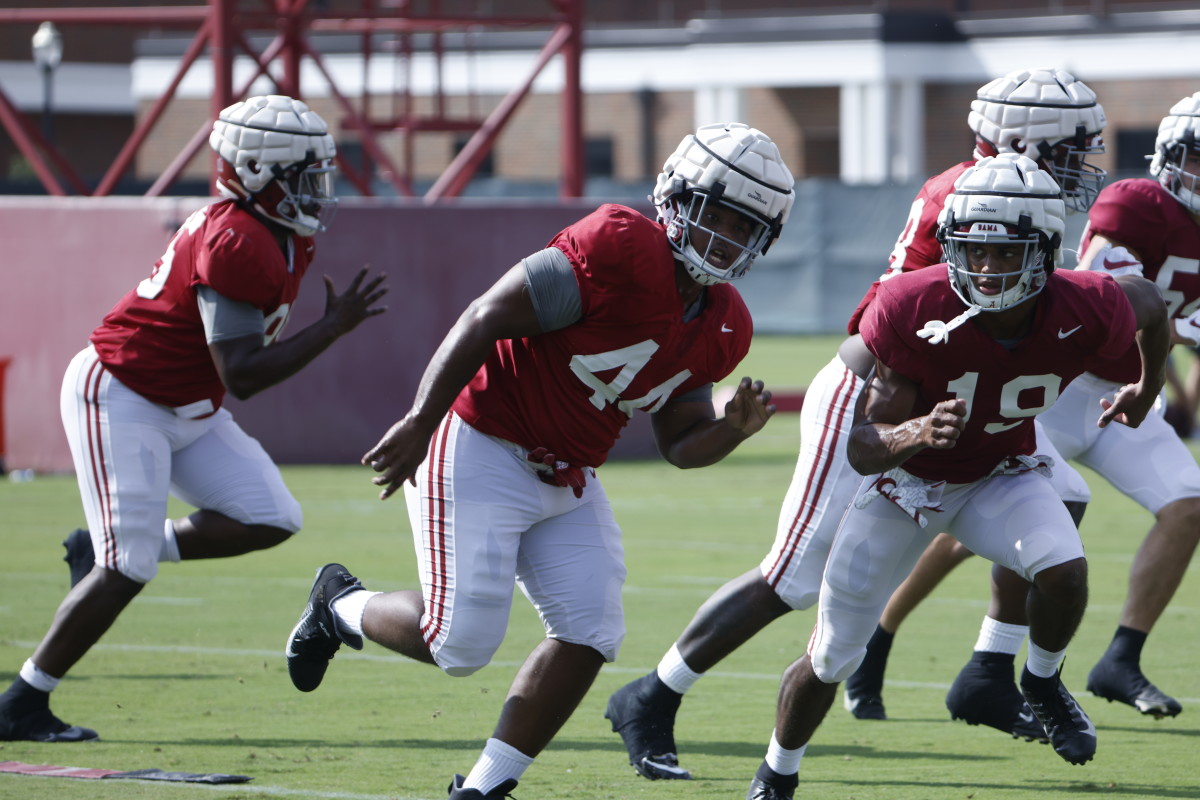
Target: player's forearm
<point x="1154" y="344"/>
<point x="703" y="444"/>
<point x="452" y="366"/>
<point x="875" y="447"/>
<point x="246" y="372"/>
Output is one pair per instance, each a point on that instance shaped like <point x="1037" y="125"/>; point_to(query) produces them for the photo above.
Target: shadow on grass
<point x="6" y="678"/>
<point x="1055" y="788"/>
<point x="750" y="750"/>
<point x="1155" y="731"/>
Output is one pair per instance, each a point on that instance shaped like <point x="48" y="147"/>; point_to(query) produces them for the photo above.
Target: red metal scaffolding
<point x="222" y="32"/>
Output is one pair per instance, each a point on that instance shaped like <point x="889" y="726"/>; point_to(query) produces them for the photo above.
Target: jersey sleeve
<point x="1113" y="314"/>
<point x="610" y="250"/>
<point x="1128" y="212"/>
<point x="889" y="333"/>
<point x="239" y="267"/>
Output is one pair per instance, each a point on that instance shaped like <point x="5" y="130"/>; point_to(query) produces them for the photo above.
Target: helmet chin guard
<point x="733" y="166"/>
<point x="276" y="156"/>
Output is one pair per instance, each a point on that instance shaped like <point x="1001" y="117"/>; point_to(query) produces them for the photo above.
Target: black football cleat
<point x="25" y="716"/>
<point x="984" y="693"/>
<point x="317" y="636"/>
<point x="500" y="792"/>
<point x="81" y="556"/>
<point x="1124" y="682"/>
<point x="864" y="706"/>
<point x="643" y="713"/>
<point x="1071" y="732"/>
<point x="770" y="785"/>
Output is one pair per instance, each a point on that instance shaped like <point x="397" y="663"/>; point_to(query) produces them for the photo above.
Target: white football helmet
<point x="1049" y="116"/>
<point x="276" y="156"/>
<point x="738" y="167"/>
<point x="1005" y="199"/>
<point x="1178" y="135"/>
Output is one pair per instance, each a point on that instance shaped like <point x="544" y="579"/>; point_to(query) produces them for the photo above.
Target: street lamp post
<point x="47" y="54"/>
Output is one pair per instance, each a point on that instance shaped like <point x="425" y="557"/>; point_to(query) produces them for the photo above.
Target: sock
<point x="1043" y="663"/>
<point x="1126" y="645"/>
<point x="782" y="760"/>
<point x="1000" y="637"/>
<point x="496" y="764"/>
<point x="675" y="673"/>
<point x="38" y="678"/>
<point x="170" y="545"/>
<point x="868" y="678"/>
<point x="349" y="609"/>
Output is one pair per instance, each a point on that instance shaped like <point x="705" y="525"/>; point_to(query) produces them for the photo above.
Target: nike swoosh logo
<point x="1025" y="716"/>
<point x="1064" y="334"/>
<point x="725" y="328"/>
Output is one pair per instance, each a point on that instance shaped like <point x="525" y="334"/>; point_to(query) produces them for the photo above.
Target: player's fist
<point x="945" y="423"/>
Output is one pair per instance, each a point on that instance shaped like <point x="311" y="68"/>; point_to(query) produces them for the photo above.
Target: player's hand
<point x="345" y="311"/>
<point x="1129" y="406"/>
<point x="750" y="407"/>
<point x="397" y="456"/>
<point x="945" y="423"/>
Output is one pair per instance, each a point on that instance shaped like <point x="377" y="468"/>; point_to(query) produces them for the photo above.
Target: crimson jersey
<point x="1143" y="216"/>
<point x="573" y="390"/>
<point x="917" y="246"/>
<point x="1082" y="318"/>
<point x="153" y="339"/>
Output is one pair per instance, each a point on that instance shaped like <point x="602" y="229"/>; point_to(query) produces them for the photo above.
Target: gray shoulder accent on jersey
<point x="700" y="394"/>
<point x="553" y="289"/>
<point x="227" y="319"/>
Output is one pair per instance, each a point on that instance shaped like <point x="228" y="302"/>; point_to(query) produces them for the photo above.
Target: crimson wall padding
<point x="65" y="262"/>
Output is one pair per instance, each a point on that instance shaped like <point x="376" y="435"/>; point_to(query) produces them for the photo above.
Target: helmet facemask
<point x="308" y="200"/>
<point x="1066" y="161"/>
<point x="687" y="213"/>
<point x="300" y="196"/>
<point x="1176" y="178"/>
<point x="997" y="290"/>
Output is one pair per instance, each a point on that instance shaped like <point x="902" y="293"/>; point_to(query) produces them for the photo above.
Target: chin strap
<point x="938" y="332"/>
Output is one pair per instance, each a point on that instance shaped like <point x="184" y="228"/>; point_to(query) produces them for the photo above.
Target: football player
<point x="965" y="357"/>
<point x="142" y="403"/>
<point x="1010" y="114"/>
<point x="1147" y="227"/>
<point x="518" y="408"/>
<point x="1046" y="113"/>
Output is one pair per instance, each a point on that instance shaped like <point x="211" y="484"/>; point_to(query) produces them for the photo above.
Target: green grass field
<point x="192" y="676"/>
